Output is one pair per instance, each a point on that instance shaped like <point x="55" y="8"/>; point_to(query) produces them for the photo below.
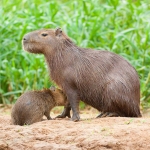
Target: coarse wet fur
<point x="102" y="79"/>
<point x="31" y="106"/>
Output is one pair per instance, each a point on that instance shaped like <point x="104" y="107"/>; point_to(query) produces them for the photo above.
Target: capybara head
<point x="43" y="40"/>
<point x="58" y="96"/>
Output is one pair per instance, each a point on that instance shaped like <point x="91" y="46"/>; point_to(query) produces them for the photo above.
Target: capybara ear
<point x="52" y="88"/>
<point x="58" y="32"/>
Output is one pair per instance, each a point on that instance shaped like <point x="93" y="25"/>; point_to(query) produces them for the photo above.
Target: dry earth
<point x="62" y="134"/>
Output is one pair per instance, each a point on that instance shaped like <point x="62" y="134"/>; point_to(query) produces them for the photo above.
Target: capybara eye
<point x="44" y="34"/>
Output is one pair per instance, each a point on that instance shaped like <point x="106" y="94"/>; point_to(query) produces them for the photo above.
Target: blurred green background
<point x="120" y="26"/>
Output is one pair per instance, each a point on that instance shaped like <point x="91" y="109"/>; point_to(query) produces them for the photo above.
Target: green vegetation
<point x="121" y="26"/>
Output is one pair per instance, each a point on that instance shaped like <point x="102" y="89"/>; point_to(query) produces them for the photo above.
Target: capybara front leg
<point x="66" y="112"/>
<point x="75" y="116"/>
<point x="74" y="102"/>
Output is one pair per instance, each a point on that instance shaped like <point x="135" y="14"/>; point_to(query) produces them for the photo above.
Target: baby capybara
<point x="31" y="106"/>
<point x="99" y="78"/>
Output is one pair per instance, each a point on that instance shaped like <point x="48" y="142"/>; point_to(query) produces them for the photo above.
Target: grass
<point x="118" y="26"/>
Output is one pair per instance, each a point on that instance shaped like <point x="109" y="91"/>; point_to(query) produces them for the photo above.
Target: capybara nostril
<point x="24" y="39"/>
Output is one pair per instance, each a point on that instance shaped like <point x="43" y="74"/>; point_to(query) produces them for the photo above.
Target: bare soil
<point x="115" y="133"/>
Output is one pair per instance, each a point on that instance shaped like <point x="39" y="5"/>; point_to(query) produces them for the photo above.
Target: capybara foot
<point x="60" y="116"/>
<point x="63" y="116"/>
<point x="49" y="118"/>
<point x="107" y="114"/>
<point x="65" y="113"/>
<point x="112" y="115"/>
<point x="75" y="117"/>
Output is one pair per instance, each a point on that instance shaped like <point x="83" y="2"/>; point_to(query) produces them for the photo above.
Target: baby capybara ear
<point x="58" y="32"/>
<point x="52" y="88"/>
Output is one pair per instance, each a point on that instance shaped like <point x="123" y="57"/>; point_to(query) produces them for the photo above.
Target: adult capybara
<point x="33" y="105"/>
<point x="99" y="78"/>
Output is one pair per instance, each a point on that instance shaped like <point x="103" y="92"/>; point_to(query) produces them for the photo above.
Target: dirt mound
<point x="63" y="134"/>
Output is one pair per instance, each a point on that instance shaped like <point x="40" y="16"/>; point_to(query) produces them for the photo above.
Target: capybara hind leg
<point x="100" y="115"/>
<point x="112" y="115"/>
<point x="107" y="114"/>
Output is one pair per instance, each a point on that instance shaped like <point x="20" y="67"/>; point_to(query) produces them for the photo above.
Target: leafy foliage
<point x="114" y="25"/>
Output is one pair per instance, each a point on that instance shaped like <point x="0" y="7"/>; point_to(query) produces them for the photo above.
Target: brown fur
<point x="99" y="78"/>
<point x="32" y="105"/>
